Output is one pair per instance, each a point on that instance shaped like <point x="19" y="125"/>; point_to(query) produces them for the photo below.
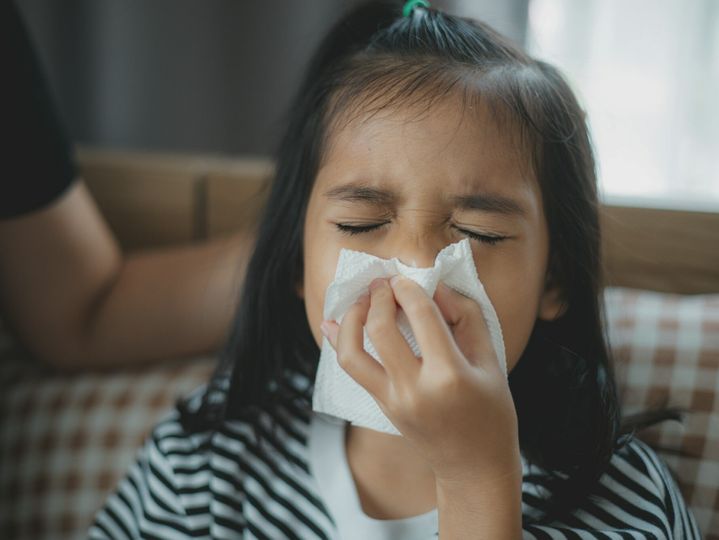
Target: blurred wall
<point x="186" y="75"/>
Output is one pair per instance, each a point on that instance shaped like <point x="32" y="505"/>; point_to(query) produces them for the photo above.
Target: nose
<point x="419" y="251"/>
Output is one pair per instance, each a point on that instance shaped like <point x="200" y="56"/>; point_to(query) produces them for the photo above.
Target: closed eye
<point x="359" y="229"/>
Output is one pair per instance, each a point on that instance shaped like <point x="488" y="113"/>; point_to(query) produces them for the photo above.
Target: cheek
<point x="320" y="261"/>
<point x="517" y="318"/>
<point x="513" y="287"/>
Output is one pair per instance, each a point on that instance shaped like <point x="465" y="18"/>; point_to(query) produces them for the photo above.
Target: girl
<point x="412" y="131"/>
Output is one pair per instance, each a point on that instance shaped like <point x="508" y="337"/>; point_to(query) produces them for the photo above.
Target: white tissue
<point x="335" y="392"/>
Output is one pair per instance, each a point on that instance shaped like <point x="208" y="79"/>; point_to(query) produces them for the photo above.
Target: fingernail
<point x="395" y="279"/>
<point x="376" y="282"/>
<point x="330" y="330"/>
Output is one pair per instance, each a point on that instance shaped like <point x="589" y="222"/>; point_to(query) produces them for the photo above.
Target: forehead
<point x="450" y="146"/>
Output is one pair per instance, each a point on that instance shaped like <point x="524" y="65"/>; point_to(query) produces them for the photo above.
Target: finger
<point x="351" y="354"/>
<point x="433" y="336"/>
<point x="467" y="323"/>
<point x="394" y="351"/>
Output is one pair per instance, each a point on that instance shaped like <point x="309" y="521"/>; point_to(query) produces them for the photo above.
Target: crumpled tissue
<point x="335" y="392"/>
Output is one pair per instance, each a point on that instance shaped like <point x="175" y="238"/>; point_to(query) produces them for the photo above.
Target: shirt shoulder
<point x="650" y="476"/>
<point x="219" y="482"/>
<point x="637" y="493"/>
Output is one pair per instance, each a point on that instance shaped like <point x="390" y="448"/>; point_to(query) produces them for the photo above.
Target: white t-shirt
<point x="328" y="460"/>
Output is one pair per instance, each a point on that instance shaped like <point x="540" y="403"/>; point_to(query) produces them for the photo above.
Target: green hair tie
<point x="411" y="4"/>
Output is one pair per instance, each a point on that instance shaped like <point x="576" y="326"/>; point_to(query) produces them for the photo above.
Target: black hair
<point x="563" y="386"/>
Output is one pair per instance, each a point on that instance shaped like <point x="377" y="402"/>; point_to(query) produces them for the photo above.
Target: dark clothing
<point x="37" y="161"/>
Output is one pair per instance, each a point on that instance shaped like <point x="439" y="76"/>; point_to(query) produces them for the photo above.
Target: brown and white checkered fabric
<point x="66" y="440"/>
<point x="666" y="348"/>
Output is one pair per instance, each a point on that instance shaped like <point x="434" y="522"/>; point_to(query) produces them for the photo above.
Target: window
<point x="647" y="73"/>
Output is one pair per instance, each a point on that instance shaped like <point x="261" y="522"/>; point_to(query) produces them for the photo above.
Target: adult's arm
<point x="76" y="302"/>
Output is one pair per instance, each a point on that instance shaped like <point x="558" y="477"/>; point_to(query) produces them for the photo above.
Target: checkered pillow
<point x="666" y="348"/>
<point x="66" y="440"/>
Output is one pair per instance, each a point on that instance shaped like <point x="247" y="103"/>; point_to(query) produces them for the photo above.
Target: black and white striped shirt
<point x="220" y="486"/>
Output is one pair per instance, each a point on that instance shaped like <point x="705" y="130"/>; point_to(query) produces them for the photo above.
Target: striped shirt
<point x="219" y="485"/>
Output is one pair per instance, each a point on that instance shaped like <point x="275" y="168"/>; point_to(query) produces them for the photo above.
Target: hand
<point x="453" y="402"/>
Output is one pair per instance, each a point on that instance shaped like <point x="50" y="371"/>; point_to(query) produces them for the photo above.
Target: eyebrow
<point x="484" y="202"/>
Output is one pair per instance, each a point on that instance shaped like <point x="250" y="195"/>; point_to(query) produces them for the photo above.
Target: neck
<point x="387" y="448"/>
<point x="384" y="465"/>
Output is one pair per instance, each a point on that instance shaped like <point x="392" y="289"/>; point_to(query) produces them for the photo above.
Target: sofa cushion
<point x="666" y="350"/>
<point x="66" y="440"/>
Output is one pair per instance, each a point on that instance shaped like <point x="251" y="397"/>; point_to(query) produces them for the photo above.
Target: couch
<point x="66" y="439"/>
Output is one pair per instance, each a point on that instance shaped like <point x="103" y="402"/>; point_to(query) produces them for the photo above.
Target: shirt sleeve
<point x="37" y="160"/>
<point x="146" y="503"/>
<point x="637" y="497"/>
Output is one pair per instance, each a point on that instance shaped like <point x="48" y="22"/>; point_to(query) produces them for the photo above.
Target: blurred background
<point x="156" y="93"/>
<point x="217" y="76"/>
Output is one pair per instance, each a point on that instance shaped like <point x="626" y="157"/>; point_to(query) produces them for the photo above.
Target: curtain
<point x="647" y="72"/>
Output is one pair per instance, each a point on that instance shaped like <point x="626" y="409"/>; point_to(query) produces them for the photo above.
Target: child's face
<point x="410" y="169"/>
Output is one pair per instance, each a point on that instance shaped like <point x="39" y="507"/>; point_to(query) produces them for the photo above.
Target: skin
<point x="77" y="302"/>
<point x="423" y="161"/>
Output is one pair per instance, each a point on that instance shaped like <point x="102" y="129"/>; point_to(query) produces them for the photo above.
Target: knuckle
<point x="359" y="304"/>
<point x="407" y="403"/>
<point x="379" y="327"/>
<point x="381" y="293"/>
<point x="423" y="309"/>
<point x="449" y="382"/>
<point x="412" y="405"/>
<point x="350" y="315"/>
<point x="347" y="359"/>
